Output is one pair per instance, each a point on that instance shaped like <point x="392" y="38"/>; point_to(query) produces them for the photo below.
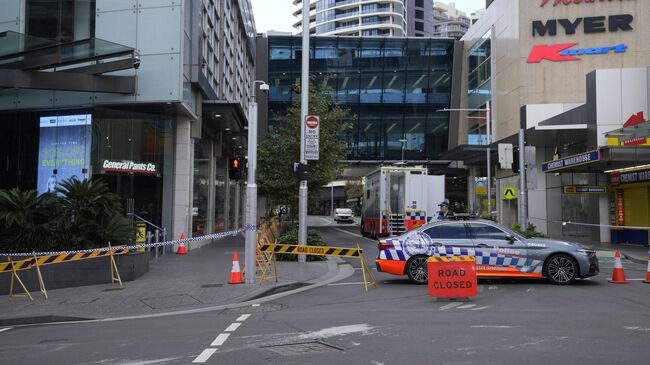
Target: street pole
<point x="250" y="227"/>
<point x="332" y="199"/>
<point x="523" y="208"/>
<point x="488" y="126"/>
<point x="304" y="110"/>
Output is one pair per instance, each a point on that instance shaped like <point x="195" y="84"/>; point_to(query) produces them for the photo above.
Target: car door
<point x="449" y="238"/>
<point x="498" y="252"/>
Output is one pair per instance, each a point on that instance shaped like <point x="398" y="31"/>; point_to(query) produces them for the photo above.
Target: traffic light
<point x="234" y="169"/>
<point x="515" y="160"/>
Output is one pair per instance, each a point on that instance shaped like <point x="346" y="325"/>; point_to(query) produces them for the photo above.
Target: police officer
<point x="444" y="213"/>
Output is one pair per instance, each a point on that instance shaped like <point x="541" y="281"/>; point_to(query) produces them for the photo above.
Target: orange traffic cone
<point x="618" y="275"/>
<point x="235" y="273"/>
<point x="647" y="274"/>
<point x="181" y="248"/>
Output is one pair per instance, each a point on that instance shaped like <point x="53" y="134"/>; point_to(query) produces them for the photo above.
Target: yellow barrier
<point x="368" y="278"/>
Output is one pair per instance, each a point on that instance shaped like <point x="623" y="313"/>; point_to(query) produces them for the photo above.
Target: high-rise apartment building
<point x="391" y="18"/>
<point x="448" y="21"/>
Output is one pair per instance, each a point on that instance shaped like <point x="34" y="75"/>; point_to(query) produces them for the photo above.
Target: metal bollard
<point x="157" y="239"/>
<point x="149" y="236"/>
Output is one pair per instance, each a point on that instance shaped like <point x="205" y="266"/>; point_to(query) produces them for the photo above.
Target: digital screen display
<point x="63" y="149"/>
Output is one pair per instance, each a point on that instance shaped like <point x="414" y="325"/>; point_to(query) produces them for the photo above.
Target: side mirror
<point x="510" y="238"/>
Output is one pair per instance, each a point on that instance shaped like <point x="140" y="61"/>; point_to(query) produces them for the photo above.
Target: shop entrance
<point x="140" y="194"/>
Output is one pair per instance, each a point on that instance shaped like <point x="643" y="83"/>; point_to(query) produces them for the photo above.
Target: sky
<point x="278" y="14"/>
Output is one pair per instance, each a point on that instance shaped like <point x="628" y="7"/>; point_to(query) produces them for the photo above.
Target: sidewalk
<point x="635" y="253"/>
<point x="174" y="282"/>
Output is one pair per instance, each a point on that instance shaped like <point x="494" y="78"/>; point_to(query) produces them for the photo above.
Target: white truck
<point x="399" y="198"/>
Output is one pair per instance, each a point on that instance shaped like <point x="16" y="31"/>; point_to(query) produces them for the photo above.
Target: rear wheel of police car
<point x="416" y="269"/>
<point x="561" y="269"/>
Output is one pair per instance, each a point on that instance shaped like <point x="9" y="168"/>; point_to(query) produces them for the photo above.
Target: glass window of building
<point x="479" y="65"/>
<point x="61" y="20"/>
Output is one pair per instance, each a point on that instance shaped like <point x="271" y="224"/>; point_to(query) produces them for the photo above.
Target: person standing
<point x="444" y="213"/>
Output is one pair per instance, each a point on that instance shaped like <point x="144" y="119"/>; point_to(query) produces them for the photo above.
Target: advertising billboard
<point x="63" y="149"/>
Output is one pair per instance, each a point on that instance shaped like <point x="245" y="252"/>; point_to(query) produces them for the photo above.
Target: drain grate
<point x="211" y="285"/>
<point x="301" y="348"/>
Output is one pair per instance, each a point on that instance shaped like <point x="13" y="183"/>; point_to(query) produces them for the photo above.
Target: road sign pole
<point x="523" y="207"/>
<point x="304" y="110"/>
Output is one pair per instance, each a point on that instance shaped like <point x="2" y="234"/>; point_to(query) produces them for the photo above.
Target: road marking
<point x="5" y="329"/>
<point x="479" y="308"/>
<point x="466" y="306"/>
<point x="243" y="317"/>
<point x="220" y="339"/>
<point x="232" y="327"/>
<point x="636" y="279"/>
<point x="339" y="284"/>
<point x="255" y="305"/>
<point x="350" y="233"/>
<point x="449" y="306"/>
<point x="490" y="326"/>
<point x="640" y="329"/>
<point x="204" y="356"/>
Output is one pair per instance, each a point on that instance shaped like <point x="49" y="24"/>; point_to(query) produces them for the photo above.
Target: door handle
<point x="437" y="244"/>
<point x="482" y="245"/>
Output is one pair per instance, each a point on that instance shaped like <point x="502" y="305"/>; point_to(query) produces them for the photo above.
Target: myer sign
<point x="129" y="167"/>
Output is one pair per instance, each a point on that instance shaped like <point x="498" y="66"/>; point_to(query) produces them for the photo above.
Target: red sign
<point x="452" y="279"/>
<point x="565" y="52"/>
<point x="568" y="2"/>
<point x="312" y="121"/>
<point x="620" y="208"/>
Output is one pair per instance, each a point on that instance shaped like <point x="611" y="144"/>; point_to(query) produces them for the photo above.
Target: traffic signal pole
<point x="304" y="110"/>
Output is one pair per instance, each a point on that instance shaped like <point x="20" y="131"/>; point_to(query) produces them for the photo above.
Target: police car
<point x="499" y="252"/>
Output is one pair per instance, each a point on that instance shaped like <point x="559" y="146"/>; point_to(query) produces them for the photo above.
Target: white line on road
<point x="243" y="317"/>
<point x="641" y="329"/>
<point x="220" y="339"/>
<point x="449" y="306"/>
<point x="232" y="327"/>
<point x="467" y="306"/>
<point x="204" y="356"/>
<point x="348" y="232"/>
<point x="339" y="284"/>
<point x="490" y="326"/>
<point x="479" y="308"/>
<point x="5" y="329"/>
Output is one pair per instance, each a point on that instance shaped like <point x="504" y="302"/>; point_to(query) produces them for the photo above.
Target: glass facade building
<point x="393" y="88"/>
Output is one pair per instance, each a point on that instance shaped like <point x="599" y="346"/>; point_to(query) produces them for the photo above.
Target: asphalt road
<point x="532" y="322"/>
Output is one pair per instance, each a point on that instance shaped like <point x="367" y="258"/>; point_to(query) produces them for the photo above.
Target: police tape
<point x="589" y="224"/>
<point x="132" y="247"/>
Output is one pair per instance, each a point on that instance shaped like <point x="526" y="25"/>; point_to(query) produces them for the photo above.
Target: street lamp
<point x="251" y="187"/>
<point x="488" y="123"/>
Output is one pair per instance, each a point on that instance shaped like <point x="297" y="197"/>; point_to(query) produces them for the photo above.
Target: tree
<point x="280" y="149"/>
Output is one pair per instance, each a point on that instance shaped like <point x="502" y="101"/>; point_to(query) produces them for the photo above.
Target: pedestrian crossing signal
<point x="234" y="169"/>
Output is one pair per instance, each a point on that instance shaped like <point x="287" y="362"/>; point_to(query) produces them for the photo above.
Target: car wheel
<point x="561" y="269"/>
<point x="416" y="269"/>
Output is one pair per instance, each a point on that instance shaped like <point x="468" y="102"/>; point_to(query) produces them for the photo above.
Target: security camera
<point x="136" y="61"/>
<point x="264" y="87"/>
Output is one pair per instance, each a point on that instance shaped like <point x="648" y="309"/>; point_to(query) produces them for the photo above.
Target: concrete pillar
<point x="183" y="171"/>
<point x="604" y="213"/>
<point x="471" y="190"/>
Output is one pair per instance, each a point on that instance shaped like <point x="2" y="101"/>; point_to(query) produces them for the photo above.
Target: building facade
<point x="573" y="76"/>
<point x="449" y="22"/>
<point x="162" y="139"/>
<point x="387" y="18"/>
<point x="395" y="89"/>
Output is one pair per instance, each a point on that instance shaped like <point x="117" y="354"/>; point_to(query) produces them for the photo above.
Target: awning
<point x="28" y="62"/>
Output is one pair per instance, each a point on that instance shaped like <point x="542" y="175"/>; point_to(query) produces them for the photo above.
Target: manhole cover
<point x="266" y="307"/>
<point x="301" y="348"/>
<point x="211" y="285"/>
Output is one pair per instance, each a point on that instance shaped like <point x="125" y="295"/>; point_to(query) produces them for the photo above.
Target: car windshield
<point x="344" y="211"/>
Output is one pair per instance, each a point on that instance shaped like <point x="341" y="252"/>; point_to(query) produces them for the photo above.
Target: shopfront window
<point x="133" y="153"/>
<point x="201" y="192"/>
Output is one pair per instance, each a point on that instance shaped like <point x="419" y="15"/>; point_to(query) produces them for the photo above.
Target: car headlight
<point x="587" y="252"/>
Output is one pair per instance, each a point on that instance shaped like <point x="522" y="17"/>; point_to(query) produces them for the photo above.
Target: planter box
<point x="78" y="273"/>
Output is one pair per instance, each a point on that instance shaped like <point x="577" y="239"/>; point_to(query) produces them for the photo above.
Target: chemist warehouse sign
<point x="572" y="51"/>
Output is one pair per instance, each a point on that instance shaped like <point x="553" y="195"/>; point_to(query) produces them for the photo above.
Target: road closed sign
<point x="452" y="277"/>
<point x="312" y="137"/>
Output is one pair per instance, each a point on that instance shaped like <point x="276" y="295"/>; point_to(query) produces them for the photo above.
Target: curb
<point x="343" y="271"/>
<point x="636" y="260"/>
